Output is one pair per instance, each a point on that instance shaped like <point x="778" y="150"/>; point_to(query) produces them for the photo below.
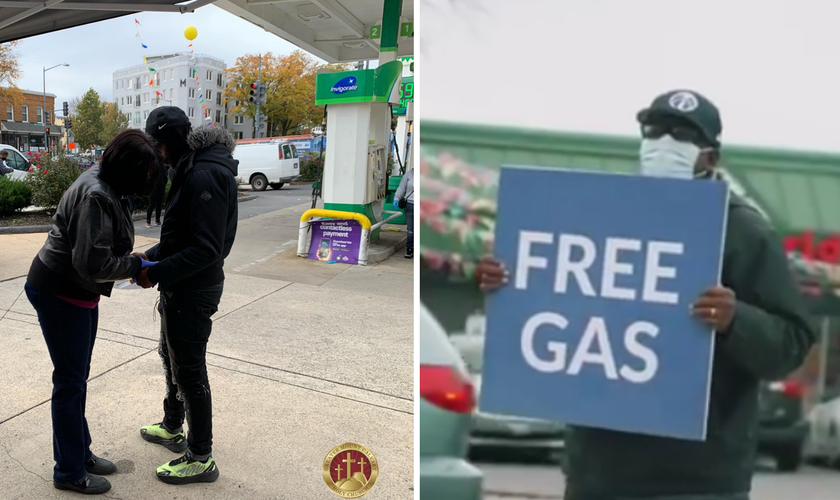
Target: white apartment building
<point x="174" y="80"/>
<point x="242" y="127"/>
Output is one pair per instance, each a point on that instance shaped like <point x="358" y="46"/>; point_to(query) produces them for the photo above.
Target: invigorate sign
<point x="595" y="328"/>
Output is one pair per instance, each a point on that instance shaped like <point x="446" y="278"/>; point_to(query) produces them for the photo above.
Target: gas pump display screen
<point x="406" y="96"/>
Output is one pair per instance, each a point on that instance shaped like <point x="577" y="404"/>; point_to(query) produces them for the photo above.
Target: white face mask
<point x="667" y="157"/>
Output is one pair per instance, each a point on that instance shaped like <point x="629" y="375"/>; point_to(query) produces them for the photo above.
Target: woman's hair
<point x="132" y="162"/>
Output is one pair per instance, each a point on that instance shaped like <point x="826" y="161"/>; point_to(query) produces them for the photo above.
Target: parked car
<point x="783" y="427"/>
<point x="447" y="400"/>
<point x="17" y="161"/>
<point x="508" y="436"/>
<point x="823" y="445"/>
<point x="268" y="164"/>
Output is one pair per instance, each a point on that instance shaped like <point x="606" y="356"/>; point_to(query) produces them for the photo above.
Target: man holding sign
<point x="755" y="315"/>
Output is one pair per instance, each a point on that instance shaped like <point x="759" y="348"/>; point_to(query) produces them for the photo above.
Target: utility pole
<point x="44" y="111"/>
<point x="257" y="115"/>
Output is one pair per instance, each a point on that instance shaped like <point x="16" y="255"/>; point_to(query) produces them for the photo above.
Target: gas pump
<point x="357" y="137"/>
<point x="409" y="124"/>
<point x="404" y="118"/>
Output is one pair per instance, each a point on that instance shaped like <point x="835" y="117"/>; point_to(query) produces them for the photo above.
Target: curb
<point x="46" y="228"/>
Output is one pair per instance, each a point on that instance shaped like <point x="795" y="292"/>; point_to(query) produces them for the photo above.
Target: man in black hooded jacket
<point x="197" y="234"/>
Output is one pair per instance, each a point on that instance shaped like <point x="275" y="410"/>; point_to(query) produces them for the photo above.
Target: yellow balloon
<point x="190" y="32"/>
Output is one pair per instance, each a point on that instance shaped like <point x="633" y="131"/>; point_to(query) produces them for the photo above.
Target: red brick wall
<point x="34" y="101"/>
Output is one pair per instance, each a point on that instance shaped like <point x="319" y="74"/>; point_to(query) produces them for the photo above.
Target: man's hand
<point x="141" y="255"/>
<point x="143" y="279"/>
<point x="715" y="307"/>
<point x="491" y="274"/>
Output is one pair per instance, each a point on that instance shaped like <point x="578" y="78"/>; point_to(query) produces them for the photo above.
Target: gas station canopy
<point x="333" y="30"/>
<point x="21" y="19"/>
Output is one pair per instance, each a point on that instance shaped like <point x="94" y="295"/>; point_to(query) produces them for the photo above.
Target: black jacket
<point x="201" y="215"/>
<point x="769" y="338"/>
<point x="91" y="237"/>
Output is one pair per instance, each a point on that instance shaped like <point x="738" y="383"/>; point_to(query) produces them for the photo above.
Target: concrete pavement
<point x="304" y="356"/>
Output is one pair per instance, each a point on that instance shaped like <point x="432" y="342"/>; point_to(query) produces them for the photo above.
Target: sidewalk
<point x="304" y="356"/>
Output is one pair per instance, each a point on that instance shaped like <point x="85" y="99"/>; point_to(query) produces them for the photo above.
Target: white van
<point x="17" y="161"/>
<point x="267" y="164"/>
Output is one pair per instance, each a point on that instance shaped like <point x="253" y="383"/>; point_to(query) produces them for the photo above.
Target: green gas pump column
<point x="358" y="126"/>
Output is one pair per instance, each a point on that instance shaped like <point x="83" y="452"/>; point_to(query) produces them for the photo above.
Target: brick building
<point x="22" y="122"/>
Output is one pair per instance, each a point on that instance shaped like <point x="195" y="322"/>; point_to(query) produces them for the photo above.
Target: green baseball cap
<point x="687" y="105"/>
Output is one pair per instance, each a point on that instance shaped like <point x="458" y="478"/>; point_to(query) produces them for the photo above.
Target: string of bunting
<point x="151" y="83"/>
<point x="190" y="33"/>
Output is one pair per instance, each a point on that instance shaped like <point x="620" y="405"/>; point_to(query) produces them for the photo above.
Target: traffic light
<point x="68" y="123"/>
<point x="261" y="122"/>
<point x="255" y="93"/>
<point x="263" y="95"/>
<point x="48" y="130"/>
<point x="66" y="109"/>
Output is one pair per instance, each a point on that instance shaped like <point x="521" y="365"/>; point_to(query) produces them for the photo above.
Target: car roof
<point x="435" y="348"/>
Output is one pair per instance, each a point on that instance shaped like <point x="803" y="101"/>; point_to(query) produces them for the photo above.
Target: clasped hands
<point x="715" y="306"/>
<point x="142" y="277"/>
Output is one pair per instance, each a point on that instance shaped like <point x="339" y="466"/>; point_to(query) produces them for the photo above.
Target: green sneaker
<point x="187" y="470"/>
<point x="157" y="434"/>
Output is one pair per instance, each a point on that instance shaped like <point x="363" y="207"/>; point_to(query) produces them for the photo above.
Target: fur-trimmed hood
<point x="214" y="145"/>
<point x="205" y="136"/>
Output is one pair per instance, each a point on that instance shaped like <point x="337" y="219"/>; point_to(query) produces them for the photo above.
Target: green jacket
<point x="769" y="338"/>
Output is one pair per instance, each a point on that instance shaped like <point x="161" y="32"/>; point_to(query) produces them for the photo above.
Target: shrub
<point x="50" y="177"/>
<point x="14" y="195"/>
<point x="310" y="170"/>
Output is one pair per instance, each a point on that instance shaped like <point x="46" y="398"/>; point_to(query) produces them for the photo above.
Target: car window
<point x="15" y="160"/>
<point x="294" y="151"/>
<point x="287" y="153"/>
<point x="435" y="347"/>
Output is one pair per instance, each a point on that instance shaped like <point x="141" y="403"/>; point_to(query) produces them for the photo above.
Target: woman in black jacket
<point x="87" y="249"/>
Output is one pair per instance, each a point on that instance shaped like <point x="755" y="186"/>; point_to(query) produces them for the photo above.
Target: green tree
<point x="9" y="73"/>
<point x="113" y="122"/>
<point x="290" y="89"/>
<point x="87" y="124"/>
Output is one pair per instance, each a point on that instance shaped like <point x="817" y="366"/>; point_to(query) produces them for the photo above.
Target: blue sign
<point x="594" y="328"/>
<point x="344" y="85"/>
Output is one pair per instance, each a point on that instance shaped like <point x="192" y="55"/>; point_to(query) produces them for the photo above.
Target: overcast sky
<point x="771" y="66"/>
<point x="95" y="51"/>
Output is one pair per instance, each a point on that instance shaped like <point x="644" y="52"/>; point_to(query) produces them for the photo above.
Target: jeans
<point x="155" y="202"/>
<point x="409" y="220"/>
<point x="184" y="332"/>
<point x="70" y="332"/>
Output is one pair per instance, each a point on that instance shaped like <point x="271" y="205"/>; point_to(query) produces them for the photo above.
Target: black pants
<point x="184" y="332"/>
<point x="409" y="220"/>
<point x="70" y="332"/>
<point x="155" y="203"/>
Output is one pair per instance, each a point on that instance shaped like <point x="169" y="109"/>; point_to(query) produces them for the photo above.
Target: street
<point x="267" y="201"/>
<point x="537" y="482"/>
